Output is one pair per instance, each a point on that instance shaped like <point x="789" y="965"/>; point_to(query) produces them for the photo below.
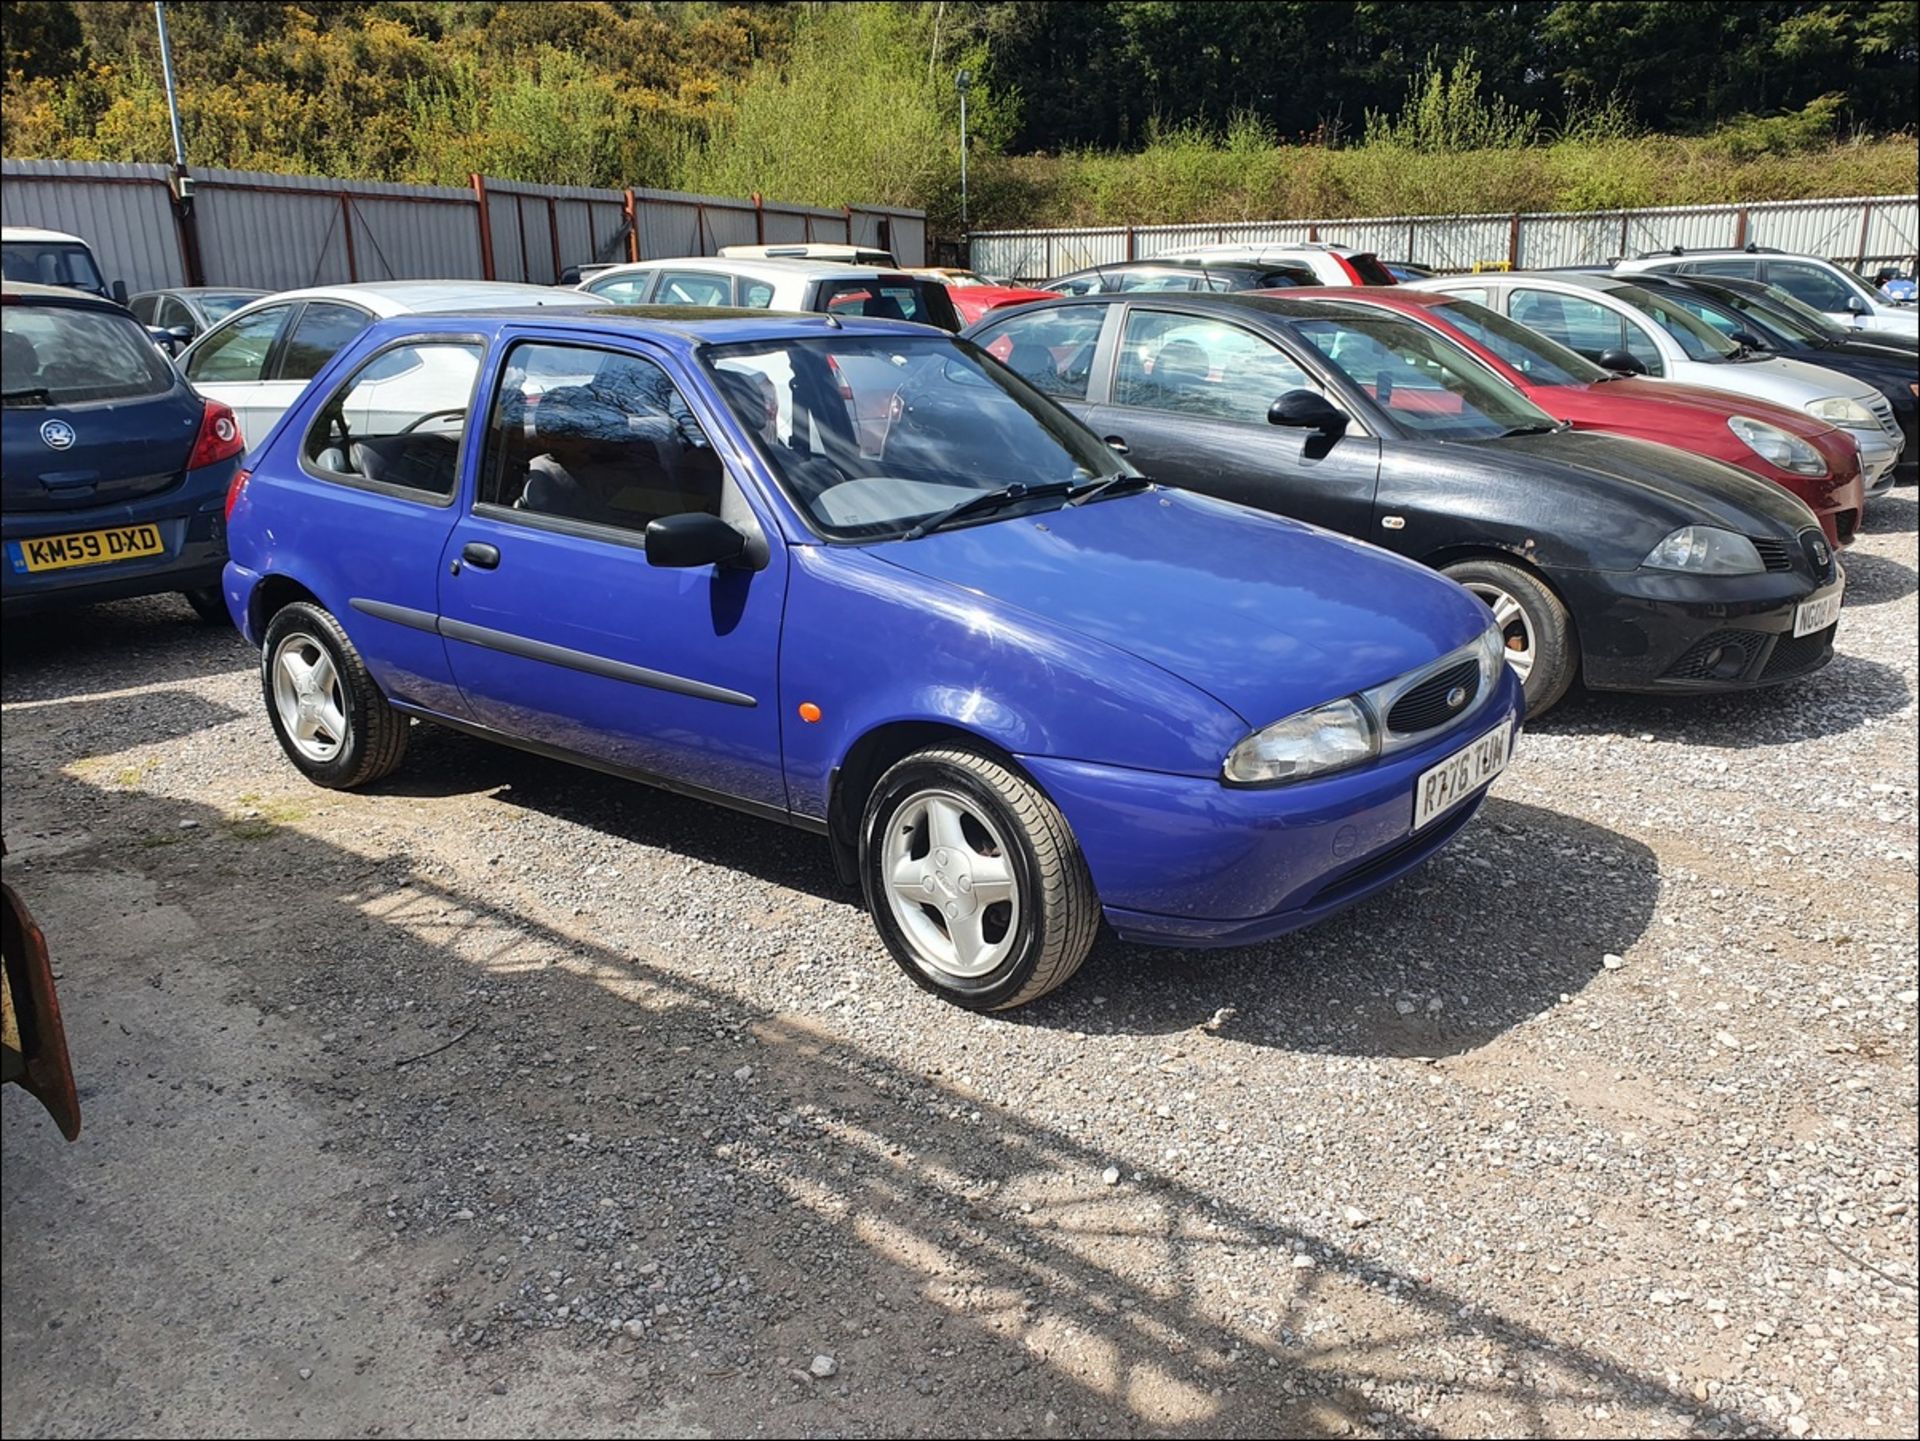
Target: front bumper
<point x="1879" y="458"/>
<point x="1649" y="630"/>
<point x="192" y="526"/>
<point x="1187" y="861"/>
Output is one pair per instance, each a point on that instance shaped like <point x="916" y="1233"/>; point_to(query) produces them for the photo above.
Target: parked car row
<point x="1203" y="596"/>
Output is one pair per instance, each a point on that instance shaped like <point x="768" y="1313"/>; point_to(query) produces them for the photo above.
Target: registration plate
<point x="1820" y="612"/>
<point x="91" y="547"/>
<point x="1444" y="786"/>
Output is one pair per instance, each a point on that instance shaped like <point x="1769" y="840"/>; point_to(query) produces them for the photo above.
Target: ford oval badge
<point x="1456" y="697"/>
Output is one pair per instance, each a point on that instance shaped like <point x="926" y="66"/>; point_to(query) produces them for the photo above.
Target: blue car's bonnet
<point x="1266" y="615"/>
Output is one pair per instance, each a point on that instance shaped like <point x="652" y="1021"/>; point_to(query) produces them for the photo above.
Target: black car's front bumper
<point x="1651" y="630"/>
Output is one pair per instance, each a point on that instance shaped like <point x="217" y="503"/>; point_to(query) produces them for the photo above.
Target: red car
<point x="973" y="296"/>
<point x="1817" y="462"/>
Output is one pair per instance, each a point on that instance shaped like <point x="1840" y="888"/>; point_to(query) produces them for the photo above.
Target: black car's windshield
<point x="1728" y="311"/>
<point x="1693" y="335"/>
<point x="1423" y="382"/>
<point x="871" y="435"/>
<point x="1543" y="361"/>
<point x="63" y="355"/>
<point x="1778" y="303"/>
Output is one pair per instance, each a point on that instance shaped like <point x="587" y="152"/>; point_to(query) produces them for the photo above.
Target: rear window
<point x="53" y="355"/>
<point x="924" y="302"/>
<point x="52" y="263"/>
<point x="1370" y="270"/>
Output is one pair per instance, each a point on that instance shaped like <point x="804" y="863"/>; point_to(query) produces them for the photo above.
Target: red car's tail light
<point x="219" y="439"/>
<point x="234" y="489"/>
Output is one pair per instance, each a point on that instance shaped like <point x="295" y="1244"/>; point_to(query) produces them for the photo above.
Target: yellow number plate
<point x="91" y="547"/>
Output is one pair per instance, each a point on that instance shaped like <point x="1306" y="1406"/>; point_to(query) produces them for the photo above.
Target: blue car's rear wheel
<point x="974" y="880"/>
<point x="331" y="719"/>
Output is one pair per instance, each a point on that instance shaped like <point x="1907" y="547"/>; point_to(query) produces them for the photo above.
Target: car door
<point x="1189" y="396"/>
<point x="559" y="631"/>
<point x="388" y="443"/>
<point x="230" y="364"/>
<point x="1585" y="325"/>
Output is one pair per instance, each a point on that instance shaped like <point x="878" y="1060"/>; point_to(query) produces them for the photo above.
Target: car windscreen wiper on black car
<point x="1534" y="429"/>
<point x="985" y="501"/>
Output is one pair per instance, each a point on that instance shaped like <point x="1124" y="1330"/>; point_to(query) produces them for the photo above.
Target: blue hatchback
<point x="856" y="576"/>
<point x="115" y="471"/>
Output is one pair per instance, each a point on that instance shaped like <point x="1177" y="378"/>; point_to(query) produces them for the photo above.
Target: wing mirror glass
<point x="1625" y="362"/>
<point x="1308" y="410"/>
<point x="1857" y="306"/>
<point x="692" y="539"/>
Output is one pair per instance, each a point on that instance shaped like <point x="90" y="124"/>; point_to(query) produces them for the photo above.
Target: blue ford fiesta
<point x="113" y="472"/>
<point x="856" y="576"/>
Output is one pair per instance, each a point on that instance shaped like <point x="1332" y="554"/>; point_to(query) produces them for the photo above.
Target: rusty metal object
<point x="35" y="1043"/>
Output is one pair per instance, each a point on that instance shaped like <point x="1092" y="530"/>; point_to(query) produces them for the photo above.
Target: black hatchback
<point x="1630" y="565"/>
<point x="115" y="472"/>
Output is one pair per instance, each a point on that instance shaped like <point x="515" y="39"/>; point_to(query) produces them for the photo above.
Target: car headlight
<point x="1327" y="738"/>
<point x="1705" y="550"/>
<point x="1777" y="446"/>
<point x="1838" y="410"/>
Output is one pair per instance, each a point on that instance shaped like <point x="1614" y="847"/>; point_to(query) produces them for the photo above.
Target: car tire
<point x="332" y="720"/>
<point x="210" y="604"/>
<point x="936" y="823"/>
<point x="1539" y="633"/>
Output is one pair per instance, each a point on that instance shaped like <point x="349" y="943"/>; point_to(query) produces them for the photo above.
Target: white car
<point x="261" y="357"/>
<point x="1330" y="264"/>
<point x="813" y="250"/>
<point x="53" y="257"/>
<point x="1624" y="327"/>
<point x="1835" y="292"/>
<point x="797" y="285"/>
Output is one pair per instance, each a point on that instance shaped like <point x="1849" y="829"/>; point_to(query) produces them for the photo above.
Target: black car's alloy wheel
<point x="1534" y="627"/>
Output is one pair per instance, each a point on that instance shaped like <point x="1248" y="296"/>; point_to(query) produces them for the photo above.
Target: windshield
<point x="45" y="262"/>
<point x="1424" y="383"/>
<point x="1693" y="335"/>
<point x="871" y="434"/>
<point x="1778" y="302"/>
<point x="55" y="355"/>
<point x="1543" y="361"/>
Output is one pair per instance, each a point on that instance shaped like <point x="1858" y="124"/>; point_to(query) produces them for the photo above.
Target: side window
<point x="878" y="300"/>
<point x="596" y="436"/>
<point x="1078" y="285"/>
<point x="238" y="350"/>
<point x="144" y="308"/>
<point x="1643" y="348"/>
<point x="756" y="294"/>
<point x="171" y="313"/>
<point x="694" y="287"/>
<point x="1052" y="349"/>
<point x="1577" y="323"/>
<point x="398" y="420"/>
<point x="1700" y="310"/>
<point x="318" y="335"/>
<point x="1201" y="367"/>
<point x="1809" y="284"/>
<point x="1159" y="280"/>
<point x="625" y="289"/>
<point x="1745" y="269"/>
<point x="1476" y="293"/>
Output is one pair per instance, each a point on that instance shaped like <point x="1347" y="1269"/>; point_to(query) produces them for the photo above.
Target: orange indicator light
<point x="809" y="712"/>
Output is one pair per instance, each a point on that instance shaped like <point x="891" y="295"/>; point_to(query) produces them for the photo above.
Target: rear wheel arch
<point x="272" y="595"/>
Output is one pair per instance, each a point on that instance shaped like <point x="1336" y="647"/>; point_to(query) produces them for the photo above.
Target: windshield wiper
<point x="985" y="501"/>
<point x="1535" y="429"/>
<point x="31" y="395"/>
<point x="1112" y="485"/>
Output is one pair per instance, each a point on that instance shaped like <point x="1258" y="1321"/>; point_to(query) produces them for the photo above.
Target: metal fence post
<point x="632" y="207"/>
<point x="553" y="238"/>
<point x="1513" y="242"/>
<point x="1740" y="227"/>
<point x="346" y="230"/>
<point x="484" y="214"/>
<point x="759" y="220"/>
<point x="1866" y="220"/>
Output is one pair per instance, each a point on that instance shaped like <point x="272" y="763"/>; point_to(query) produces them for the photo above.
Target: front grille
<point x="1882" y="409"/>
<point x="1426" y="705"/>
<point x="1819" y="554"/>
<point x="1775" y="554"/>
<point x="1794" y="654"/>
<point x="1735" y="649"/>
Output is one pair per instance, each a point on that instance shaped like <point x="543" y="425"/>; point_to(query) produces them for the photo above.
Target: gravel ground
<point x="511" y="1099"/>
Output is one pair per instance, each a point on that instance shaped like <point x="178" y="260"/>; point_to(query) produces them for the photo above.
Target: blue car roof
<point x="682" y="325"/>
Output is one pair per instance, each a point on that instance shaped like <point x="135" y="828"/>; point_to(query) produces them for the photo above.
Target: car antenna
<point x="834" y="321"/>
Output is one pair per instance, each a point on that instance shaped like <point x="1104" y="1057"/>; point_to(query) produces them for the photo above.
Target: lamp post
<point x="173" y="99"/>
<point x="962" y="82"/>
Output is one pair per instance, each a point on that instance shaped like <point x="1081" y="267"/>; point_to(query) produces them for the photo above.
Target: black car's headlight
<point x="1780" y="447"/>
<point x="1329" y="737"/>
<point x="1705" y="550"/>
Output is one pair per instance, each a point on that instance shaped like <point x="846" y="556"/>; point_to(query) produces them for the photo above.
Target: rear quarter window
<point x="53" y="355"/>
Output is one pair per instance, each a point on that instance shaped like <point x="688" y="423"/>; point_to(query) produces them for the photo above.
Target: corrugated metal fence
<point x="1859" y="231"/>
<point x="276" y="232"/>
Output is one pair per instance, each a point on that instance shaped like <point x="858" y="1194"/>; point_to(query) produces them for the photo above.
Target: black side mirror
<point x="1622" y="361"/>
<point x="1748" y="339"/>
<point x="570" y="276"/>
<point x="692" y="539"/>
<point x="119" y="289"/>
<point x="1308" y="410"/>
